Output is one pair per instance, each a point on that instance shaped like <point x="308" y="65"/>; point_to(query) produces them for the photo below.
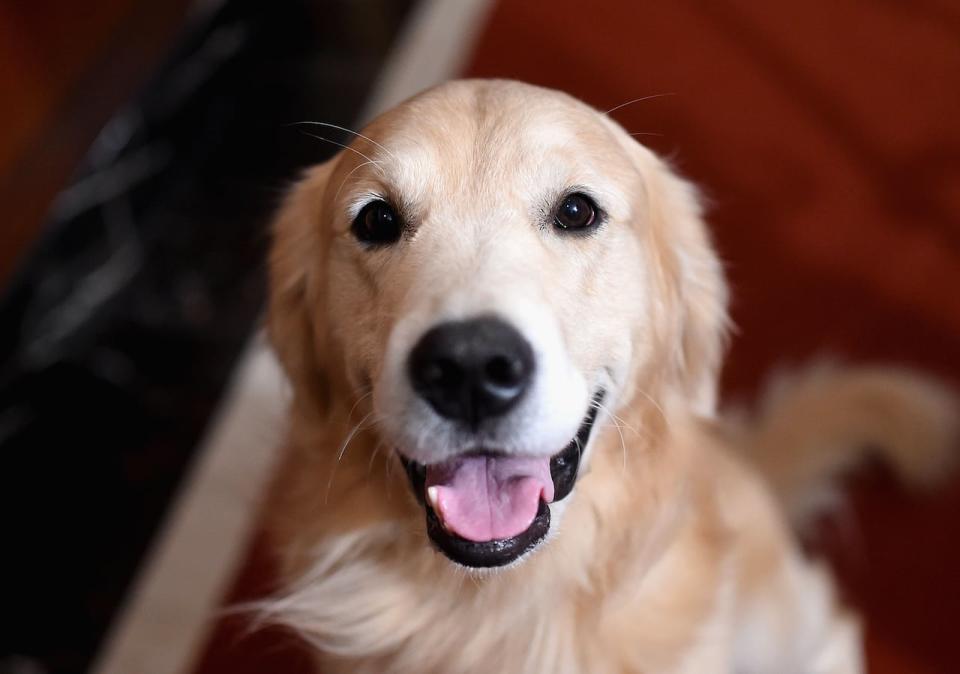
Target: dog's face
<point x="493" y="268"/>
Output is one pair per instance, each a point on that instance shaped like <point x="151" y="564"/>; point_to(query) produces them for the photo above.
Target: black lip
<point x="564" y="467"/>
<point x="489" y="553"/>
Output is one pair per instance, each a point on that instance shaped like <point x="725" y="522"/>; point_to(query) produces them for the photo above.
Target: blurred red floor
<point x="826" y="136"/>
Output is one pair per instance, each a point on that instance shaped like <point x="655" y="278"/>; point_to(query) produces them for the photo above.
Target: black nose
<point x="471" y="370"/>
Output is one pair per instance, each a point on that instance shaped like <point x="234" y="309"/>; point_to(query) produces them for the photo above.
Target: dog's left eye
<point x="576" y="213"/>
<point x="377" y="223"/>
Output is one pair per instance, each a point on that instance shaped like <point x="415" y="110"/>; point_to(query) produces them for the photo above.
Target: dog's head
<point x="490" y="268"/>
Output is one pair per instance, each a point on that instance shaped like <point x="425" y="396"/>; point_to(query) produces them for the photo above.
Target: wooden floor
<point x="827" y="138"/>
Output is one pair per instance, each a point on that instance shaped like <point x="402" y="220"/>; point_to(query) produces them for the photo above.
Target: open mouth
<point x="487" y="509"/>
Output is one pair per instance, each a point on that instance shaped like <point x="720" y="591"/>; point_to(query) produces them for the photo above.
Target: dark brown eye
<point x="377" y="224"/>
<point x="576" y="212"/>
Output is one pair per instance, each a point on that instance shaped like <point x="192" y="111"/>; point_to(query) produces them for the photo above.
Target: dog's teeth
<point x="433" y="495"/>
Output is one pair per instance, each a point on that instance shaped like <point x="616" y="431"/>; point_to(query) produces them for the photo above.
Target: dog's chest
<point x="376" y="620"/>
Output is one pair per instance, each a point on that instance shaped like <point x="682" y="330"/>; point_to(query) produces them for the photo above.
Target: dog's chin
<point x="502" y="552"/>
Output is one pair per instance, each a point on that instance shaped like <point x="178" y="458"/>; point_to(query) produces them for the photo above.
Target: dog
<point x="503" y="319"/>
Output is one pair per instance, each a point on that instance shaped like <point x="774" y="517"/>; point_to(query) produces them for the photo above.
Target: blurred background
<point x="144" y="144"/>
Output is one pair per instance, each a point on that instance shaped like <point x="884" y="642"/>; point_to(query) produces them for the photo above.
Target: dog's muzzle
<point x="488" y="509"/>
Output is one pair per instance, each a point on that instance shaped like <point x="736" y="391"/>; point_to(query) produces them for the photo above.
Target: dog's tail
<point x="815" y="425"/>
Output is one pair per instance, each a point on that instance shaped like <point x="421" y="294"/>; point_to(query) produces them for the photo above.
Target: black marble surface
<point x="120" y="329"/>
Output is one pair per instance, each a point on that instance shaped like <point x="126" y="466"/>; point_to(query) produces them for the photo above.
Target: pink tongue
<point x="485" y="498"/>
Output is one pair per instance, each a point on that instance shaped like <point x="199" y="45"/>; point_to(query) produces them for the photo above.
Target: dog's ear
<point x="296" y="295"/>
<point x="692" y="277"/>
<point x="701" y="287"/>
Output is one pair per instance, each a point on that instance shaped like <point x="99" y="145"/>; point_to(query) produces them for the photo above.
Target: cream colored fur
<point x="670" y="556"/>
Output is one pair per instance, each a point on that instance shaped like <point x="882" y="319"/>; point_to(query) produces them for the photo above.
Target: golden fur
<point x="671" y="555"/>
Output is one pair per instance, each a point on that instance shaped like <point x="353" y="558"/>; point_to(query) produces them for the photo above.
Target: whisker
<point x="347" y="177"/>
<point x="619" y="420"/>
<point x="623" y="443"/>
<point x="373" y="456"/>
<point x="345" y="147"/>
<point x="340" y="453"/>
<point x="656" y="405"/>
<point x="359" y="400"/>
<point x="350" y="436"/>
<point x="638" y="100"/>
<point x="355" y="133"/>
<point x="619" y="423"/>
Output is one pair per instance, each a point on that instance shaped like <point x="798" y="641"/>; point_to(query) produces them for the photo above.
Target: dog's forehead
<point x="487" y="137"/>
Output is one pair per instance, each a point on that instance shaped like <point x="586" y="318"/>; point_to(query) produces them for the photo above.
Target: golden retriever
<point x="503" y="321"/>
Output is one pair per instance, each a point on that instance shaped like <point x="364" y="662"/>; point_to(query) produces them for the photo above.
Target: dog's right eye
<point x="377" y="223"/>
<point x="576" y="214"/>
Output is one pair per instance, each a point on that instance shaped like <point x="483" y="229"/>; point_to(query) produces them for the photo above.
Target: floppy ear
<point x="693" y="278"/>
<point x="702" y="289"/>
<point x="296" y="295"/>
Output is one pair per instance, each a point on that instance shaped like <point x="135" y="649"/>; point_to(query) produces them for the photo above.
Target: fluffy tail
<point x="817" y="424"/>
